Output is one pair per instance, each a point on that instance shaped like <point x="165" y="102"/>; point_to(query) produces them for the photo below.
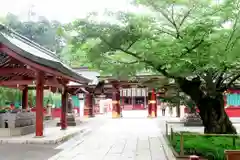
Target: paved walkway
<point x="118" y="139"/>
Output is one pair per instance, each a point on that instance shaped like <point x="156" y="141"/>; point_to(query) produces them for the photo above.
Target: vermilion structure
<point x="25" y="64"/>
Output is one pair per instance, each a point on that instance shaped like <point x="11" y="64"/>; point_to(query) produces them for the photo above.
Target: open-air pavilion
<point x="24" y="63"/>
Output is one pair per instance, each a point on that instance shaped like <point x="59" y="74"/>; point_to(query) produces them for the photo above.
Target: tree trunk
<point x="214" y="117"/>
<point x="212" y="112"/>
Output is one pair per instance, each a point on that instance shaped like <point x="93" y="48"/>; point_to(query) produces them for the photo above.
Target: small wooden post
<point x="171" y="133"/>
<point x="234" y="142"/>
<point x="166" y="129"/>
<point x="181" y="145"/>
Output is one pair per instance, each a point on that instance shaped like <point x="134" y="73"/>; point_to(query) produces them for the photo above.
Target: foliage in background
<point x="9" y="95"/>
<point x="41" y="31"/>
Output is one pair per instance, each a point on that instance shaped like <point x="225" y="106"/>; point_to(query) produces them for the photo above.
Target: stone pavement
<point x="118" y="139"/>
<point x="52" y="134"/>
<point x="42" y="151"/>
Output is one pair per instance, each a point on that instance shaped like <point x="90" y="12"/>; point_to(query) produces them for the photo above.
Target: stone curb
<point x="167" y="150"/>
<point x="42" y="141"/>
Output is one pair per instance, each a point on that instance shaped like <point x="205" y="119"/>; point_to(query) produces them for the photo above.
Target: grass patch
<point x="210" y="147"/>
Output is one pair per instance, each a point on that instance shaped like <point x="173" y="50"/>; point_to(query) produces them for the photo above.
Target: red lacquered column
<point x="39" y="104"/>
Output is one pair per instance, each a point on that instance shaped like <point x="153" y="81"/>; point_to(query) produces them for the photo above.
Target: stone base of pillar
<point x="115" y="115"/>
<point x="153" y="114"/>
<point x="47" y="117"/>
<point x="70" y="120"/>
<point x="89" y="116"/>
<point x="88" y="113"/>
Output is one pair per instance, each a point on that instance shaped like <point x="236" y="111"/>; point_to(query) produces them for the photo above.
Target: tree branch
<point x="173" y="21"/>
<point x="234" y="30"/>
<point x="131" y="44"/>
<point x="165" y="15"/>
<point x="225" y="78"/>
<point x="209" y="82"/>
<point x="133" y="62"/>
<point x="233" y="80"/>
<point x="220" y="78"/>
<point x="166" y="32"/>
<point x="142" y="59"/>
<point x="229" y="83"/>
<point x="121" y="49"/>
<point x="189" y="50"/>
<point x="185" y="17"/>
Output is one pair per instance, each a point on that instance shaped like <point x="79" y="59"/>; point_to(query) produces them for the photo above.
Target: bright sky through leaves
<point x="62" y="10"/>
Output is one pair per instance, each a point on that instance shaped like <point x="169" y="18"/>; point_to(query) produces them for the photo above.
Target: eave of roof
<point x="92" y="75"/>
<point x="36" y="53"/>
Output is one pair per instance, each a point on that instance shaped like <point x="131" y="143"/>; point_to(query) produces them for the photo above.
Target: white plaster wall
<point x="81" y="105"/>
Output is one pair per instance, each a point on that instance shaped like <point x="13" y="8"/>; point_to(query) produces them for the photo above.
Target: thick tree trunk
<point x="212" y="112"/>
<point x="214" y="117"/>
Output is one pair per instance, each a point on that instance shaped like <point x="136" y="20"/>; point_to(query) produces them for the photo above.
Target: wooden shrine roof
<point x="92" y="75"/>
<point x="21" y="55"/>
<point x="138" y="80"/>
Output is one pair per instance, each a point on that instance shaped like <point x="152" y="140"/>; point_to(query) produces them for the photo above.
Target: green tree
<point x="183" y="40"/>
<point x="42" y="31"/>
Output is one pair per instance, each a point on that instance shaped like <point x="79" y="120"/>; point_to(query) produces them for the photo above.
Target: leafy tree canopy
<point x="41" y="31"/>
<point x="179" y="38"/>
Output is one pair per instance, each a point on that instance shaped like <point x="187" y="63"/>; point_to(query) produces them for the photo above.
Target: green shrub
<point x="211" y="147"/>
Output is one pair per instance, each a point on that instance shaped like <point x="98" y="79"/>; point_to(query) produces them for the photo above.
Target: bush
<point x="210" y="147"/>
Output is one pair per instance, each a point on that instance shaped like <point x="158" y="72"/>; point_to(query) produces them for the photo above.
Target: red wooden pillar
<point x="156" y="108"/>
<point x="88" y="107"/>
<point x="39" y="103"/>
<point x="91" y="100"/>
<point x="149" y="104"/>
<point x="123" y="102"/>
<point x="25" y="98"/>
<point x="153" y="104"/>
<point x="64" y="109"/>
<point x="116" y="109"/>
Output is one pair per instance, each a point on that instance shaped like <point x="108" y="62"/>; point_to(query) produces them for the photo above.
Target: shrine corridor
<point x="117" y="139"/>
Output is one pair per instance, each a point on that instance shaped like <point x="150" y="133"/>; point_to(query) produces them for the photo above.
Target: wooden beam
<point x="11" y="71"/>
<point x="54" y="82"/>
<point x="49" y="82"/>
<point x="16" y="82"/>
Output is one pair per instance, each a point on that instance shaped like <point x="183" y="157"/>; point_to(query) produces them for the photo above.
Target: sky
<point x="62" y="10"/>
